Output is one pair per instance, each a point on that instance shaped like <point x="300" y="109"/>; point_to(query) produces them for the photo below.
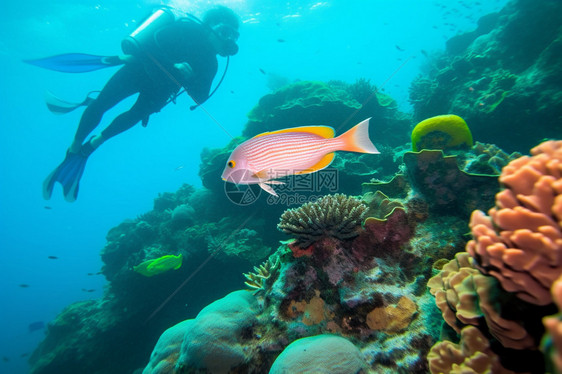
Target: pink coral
<point x="520" y="242"/>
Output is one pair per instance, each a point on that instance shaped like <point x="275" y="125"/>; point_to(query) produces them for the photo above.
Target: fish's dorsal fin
<point x="325" y="132"/>
<point x="323" y="163"/>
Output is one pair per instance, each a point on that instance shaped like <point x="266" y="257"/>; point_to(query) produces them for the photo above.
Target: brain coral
<point x="321" y="354"/>
<point x="520" y="242"/>
<point x="337" y="216"/>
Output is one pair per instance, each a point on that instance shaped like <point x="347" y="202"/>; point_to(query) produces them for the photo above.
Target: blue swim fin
<point x="68" y="174"/>
<point x="60" y="106"/>
<point x="76" y="62"/>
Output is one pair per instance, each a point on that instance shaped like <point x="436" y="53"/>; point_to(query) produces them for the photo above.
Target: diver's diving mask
<point x="228" y="36"/>
<point x="226" y="32"/>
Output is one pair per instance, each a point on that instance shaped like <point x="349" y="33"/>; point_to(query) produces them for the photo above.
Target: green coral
<point x="337" y="216"/>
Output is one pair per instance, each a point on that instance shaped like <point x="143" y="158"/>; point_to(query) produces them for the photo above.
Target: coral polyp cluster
<point x="338" y="216"/>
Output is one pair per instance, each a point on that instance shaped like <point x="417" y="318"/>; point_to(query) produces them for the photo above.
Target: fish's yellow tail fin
<point x="357" y="139"/>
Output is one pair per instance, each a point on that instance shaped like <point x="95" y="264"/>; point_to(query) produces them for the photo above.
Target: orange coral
<point x="393" y="319"/>
<point x="472" y="355"/>
<point x="465" y="297"/>
<point x="520" y="242"/>
<point x="554" y="324"/>
<point x="313" y="312"/>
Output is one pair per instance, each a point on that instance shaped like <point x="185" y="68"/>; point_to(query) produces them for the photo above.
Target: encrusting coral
<point x="467" y="297"/>
<point x="338" y="216"/>
<point x="520" y="242"/>
<point x="471" y="355"/>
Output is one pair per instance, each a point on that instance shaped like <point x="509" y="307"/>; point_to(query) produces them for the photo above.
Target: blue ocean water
<point x="333" y="40"/>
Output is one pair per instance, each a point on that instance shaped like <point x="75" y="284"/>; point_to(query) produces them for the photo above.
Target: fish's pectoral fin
<point x="322" y="164"/>
<point x="262" y="174"/>
<point x="274" y="182"/>
<point x="267" y="188"/>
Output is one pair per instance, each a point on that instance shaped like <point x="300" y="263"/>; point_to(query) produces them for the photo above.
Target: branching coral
<point x="257" y="281"/>
<point x="337" y="216"/>
<point x="520" y="242"/>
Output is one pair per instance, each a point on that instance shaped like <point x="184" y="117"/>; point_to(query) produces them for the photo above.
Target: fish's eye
<point x="231" y="164"/>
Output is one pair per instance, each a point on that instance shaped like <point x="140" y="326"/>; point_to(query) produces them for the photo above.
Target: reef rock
<point x="503" y="78"/>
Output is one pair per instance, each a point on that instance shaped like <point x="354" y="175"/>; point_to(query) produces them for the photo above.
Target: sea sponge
<point x="393" y="318"/>
<point x="441" y="132"/>
<point x="472" y="355"/>
<point x="520" y="242"/>
<point x="321" y="354"/>
<point x="338" y="216"/>
<point x="467" y="297"/>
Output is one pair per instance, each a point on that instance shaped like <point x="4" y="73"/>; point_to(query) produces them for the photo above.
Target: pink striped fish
<point x="298" y="150"/>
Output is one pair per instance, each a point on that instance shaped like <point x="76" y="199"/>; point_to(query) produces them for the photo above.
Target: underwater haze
<point x="51" y="248"/>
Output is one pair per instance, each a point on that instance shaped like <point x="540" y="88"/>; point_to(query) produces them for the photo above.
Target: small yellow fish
<point x="159" y="265"/>
<point x="298" y="150"/>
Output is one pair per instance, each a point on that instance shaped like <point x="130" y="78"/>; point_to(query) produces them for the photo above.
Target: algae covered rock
<point x="308" y="102"/>
<point x="504" y="82"/>
<point x="328" y="354"/>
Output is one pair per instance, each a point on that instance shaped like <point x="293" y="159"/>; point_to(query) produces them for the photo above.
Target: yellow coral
<point x="392" y="319"/>
<point x="441" y="132"/>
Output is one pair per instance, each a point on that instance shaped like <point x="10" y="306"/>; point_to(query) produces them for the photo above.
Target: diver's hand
<point x="127" y="58"/>
<point x="185" y="70"/>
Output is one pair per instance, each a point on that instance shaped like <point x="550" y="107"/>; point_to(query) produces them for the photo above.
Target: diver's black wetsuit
<point x="155" y="78"/>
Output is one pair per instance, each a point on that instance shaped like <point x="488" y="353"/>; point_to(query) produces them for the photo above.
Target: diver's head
<point x="224" y="24"/>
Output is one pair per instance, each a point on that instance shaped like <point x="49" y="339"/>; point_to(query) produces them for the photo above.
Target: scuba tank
<point x="142" y="39"/>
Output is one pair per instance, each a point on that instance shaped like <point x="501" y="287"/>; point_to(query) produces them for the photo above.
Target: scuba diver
<point x="165" y="54"/>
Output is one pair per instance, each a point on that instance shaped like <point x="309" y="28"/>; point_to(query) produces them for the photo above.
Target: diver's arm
<point x="185" y="71"/>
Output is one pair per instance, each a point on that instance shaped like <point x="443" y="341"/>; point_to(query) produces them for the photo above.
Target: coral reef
<point x="310" y="101"/>
<point x="503" y="82"/>
<point x="263" y="274"/>
<point x="471" y="355"/>
<point x="441" y="132"/>
<point x="467" y="297"/>
<point x="502" y="283"/>
<point x="520" y="243"/>
<point x="440" y="181"/>
<point x="337" y="216"/>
